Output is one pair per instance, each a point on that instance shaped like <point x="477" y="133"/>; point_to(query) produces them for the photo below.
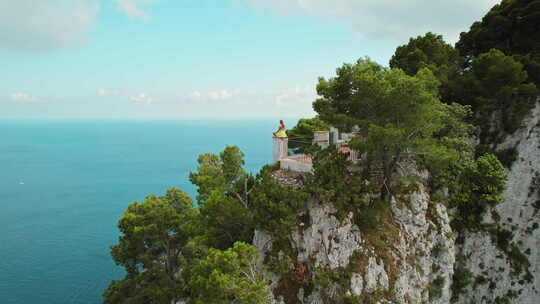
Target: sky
<point x="161" y="59"/>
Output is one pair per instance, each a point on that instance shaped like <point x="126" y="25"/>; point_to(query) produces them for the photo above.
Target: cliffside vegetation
<point x="398" y="117"/>
<point x="422" y="112"/>
<point x="494" y="68"/>
<point x="172" y="249"/>
<point x="301" y="134"/>
<point x="497" y="74"/>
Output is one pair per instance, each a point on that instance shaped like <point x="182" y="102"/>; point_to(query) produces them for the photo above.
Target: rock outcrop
<point x="410" y="261"/>
<point x="505" y="268"/>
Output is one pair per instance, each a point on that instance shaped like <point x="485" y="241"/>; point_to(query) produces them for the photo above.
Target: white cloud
<point x="133" y="9"/>
<point x="214" y="95"/>
<point x="37" y="25"/>
<point x="139" y="98"/>
<point x="23" y="98"/>
<point x="285" y="102"/>
<point x="217" y="95"/>
<point x="294" y="97"/>
<point x="107" y="92"/>
<point x="195" y="95"/>
<point x="389" y="18"/>
<point x="143" y="98"/>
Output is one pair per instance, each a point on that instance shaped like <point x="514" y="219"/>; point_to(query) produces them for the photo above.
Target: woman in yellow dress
<point x="281" y="131"/>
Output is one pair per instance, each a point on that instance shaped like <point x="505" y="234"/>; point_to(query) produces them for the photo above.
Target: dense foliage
<point x="154" y="233"/>
<point x="338" y="182"/>
<point x="229" y="276"/>
<point x="335" y="182"/>
<point x="496" y="87"/>
<point x="428" y="51"/>
<point x="511" y="27"/>
<point x="275" y="206"/>
<point x="397" y="116"/>
<point x="495" y="67"/>
<point x="301" y="135"/>
<point x="473" y="186"/>
<point x="224" y="189"/>
<point x="432" y="52"/>
<point x="172" y="249"/>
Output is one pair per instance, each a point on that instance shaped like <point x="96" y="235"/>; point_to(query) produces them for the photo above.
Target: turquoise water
<point x="64" y="185"/>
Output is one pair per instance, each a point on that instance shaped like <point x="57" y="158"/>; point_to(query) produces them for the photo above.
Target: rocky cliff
<point x="408" y="260"/>
<point x="505" y="268"/>
<point x="415" y="256"/>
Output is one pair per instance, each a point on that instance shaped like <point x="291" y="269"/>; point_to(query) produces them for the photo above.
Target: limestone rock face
<point x="426" y="251"/>
<point x="519" y="214"/>
<point x="416" y="260"/>
<point x="327" y="240"/>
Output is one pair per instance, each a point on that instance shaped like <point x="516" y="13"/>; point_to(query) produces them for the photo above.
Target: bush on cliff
<point x="228" y="276"/>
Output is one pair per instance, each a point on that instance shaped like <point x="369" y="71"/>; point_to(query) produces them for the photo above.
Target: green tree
<point x="224" y="189"/>
<point x="397" y="115"/>
<point x="511" y="27"/>
<point x="150" y="286"/>
<point x="498" y="83"/>
<point x="274" y="206"/>
<point x="221" y="173"/>
<point x="428" y="51"/>
<point x="501" y="78"/>
<point x="224" y="220"/>
<point x="303" y="132"/>
<point x="154" y="233"/>
<point x="473" y="187"/>
<point x="229" y="276"/>
<point x="432" y="52"/>
<point x="335" y="181"/>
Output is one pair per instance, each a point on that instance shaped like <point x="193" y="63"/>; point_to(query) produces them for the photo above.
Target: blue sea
<point x="65" y="183"/>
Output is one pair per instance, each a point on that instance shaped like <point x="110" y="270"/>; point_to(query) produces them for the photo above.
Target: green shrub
<point x="460" y="280"/>
<point x="507" y="156"/>
<point x="301" y="136"/>
<point x="436" y="287"/>
<point x="371" y="217"/>
<point x="275" y="207"/>
<point x="229" y="276"/>
<point x="474" y="186"/>
<point x="352" y="300"/>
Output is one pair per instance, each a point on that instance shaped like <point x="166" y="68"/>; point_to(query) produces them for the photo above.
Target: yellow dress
<point x="281" y="133"/>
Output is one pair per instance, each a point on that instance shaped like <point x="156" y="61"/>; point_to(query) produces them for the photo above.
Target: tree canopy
<point x="499" y="83"/>
<point x="301" y="135"/>
<point x="511" y="27"/>
<point x="428" y="51"/>
<point x="495" y="66"/>
<point x="396" y="114"/>
<point x="432" y="52"/>
<point x="154" y="233"/>
<point x="473" y="186"/>
<point x="229" y="276"/>
<point x="224" y="190"/>
<point x="172" y="249"/>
